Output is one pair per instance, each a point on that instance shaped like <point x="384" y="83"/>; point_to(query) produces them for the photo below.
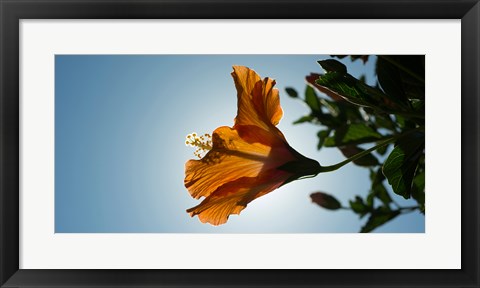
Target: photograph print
<point x="240" y="143"/>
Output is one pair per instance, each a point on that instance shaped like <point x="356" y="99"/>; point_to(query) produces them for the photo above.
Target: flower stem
<point x="364" y="153"/>
<point x="410" y="208"/>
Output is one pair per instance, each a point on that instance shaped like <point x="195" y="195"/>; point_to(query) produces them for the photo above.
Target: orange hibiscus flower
<point x="246" y="161"/>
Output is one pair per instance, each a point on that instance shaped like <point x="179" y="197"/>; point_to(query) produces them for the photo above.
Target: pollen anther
<point x="203" y="143"/>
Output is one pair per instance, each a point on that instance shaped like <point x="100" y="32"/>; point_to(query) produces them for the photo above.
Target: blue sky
<point x="120" y="127"/>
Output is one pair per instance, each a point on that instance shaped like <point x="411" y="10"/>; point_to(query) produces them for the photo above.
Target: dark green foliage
<point x="307" y="118"/>
<point x="378" y="190"/>
<point x="353" y="113"/>
<point x="379" y="217"/>
<point x="322" y="136"/>
<point x="352" y="134"/>
<point x="391" y="82"/>
<point x="331" y="65"/>
<point x="418" y="190"/>
<point x="312" y="100"/>
<point x="401" y="164"/>
<point x="351" y="150"/>
<point x="358" y="206"/>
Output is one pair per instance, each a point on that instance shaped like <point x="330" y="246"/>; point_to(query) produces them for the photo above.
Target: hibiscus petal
<point x="267" y="101"/>
<point x="258" y="101"/>
<point x="236" y="153"/>
<point x="233" y="197"/>
<point x="230" y="158"/>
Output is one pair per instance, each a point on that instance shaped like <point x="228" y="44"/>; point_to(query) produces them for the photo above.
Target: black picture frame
<point x="11" y="11"/>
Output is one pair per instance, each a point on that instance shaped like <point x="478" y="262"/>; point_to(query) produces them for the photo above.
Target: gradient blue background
<point x="120" y="127"/>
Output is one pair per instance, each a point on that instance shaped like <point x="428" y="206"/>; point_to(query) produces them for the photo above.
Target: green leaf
<point x="418" y="190"/>
<point x="359" y="207"/>
<point x="391" y="82"/>
<point x="418" y="105"/>
<point x="331" y="107"/>
<point x="311" y="80"/>
<point x="379" y="217"/>
<point x="374" y="177"/>
<point x="382" y="194"/>
<point x="411" y="69"/>
<point x="401" y="121"/>
<point x="338" y="113"/>
<point x="352" y="134"/>
<point x="291" y="92"/>
<point x="312" y="100"/>
<point x="404" y="123"/>
<point x="363" y="78"/>
<point x="355" y="91"/>
<point x="400" y="166"/>
<point x="382" y="150"/>
<point x="322" y="135"/>
<point x="367" y="160"/>
<point x="378" y="190"/>
<point x="307" y="118"/>
<point x="325" y="200"/>
<point x="370" y="200"/>
<point x="332" y="65"/>
<point x="384" y="121"/>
